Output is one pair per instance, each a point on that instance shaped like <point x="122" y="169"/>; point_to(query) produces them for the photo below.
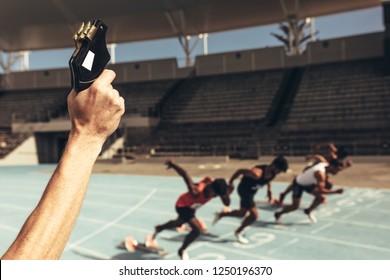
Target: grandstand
<point x="264" y="109"/>
<point x="241" y="104"/>
<point x="225" y="112"/>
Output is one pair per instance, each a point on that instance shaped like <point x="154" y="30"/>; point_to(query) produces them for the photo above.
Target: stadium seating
<point x="246" y="114"/>
<point x="32" y="105"/>
<point x="142" y="97"/>
<point x="216" y="114"/>
<point x="345" y="102"/>
<point x="342" y="95"/>
<point x="228" y="97"/>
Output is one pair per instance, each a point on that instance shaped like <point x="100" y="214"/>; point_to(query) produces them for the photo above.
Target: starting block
<point x="150" y="245"/>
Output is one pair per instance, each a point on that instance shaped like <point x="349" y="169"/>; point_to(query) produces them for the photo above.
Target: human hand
<point x="96" y="112"/>
<point x="230" y="188"/>
<point x="348" y="163"/>
<point x="169" y="163"/>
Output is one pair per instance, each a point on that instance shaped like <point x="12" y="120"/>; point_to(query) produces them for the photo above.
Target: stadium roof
<point x="46" y="24"/>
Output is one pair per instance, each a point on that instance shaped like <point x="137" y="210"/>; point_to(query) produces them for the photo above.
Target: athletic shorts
<point x="247" y="199"/>
<point x="185" y="213"/>
<point x="299" y="189"/>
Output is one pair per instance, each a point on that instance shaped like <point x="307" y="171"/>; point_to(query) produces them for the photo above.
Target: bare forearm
<point x="269" y="191"/>
<point x="325" y="191"/>
<point x="178" y="169"/>
<point x="46" y="231"/>
<point x="183" y="174"/>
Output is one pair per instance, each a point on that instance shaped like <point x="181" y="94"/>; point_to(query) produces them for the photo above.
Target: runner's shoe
<point x="216" y="218"/>
<point x="183" y="254"/>
<point x="240" y="238"/>
<point x="311" y="216"/>
<point x="277" y="218"/>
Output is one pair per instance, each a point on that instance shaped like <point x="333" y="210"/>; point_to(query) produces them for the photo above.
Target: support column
<point x="111" y="48"/>
<point x="178" y="23"/>
<point x="386" y="39"/>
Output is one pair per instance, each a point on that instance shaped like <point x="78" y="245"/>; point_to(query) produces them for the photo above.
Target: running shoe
<point x="240" y="238"/>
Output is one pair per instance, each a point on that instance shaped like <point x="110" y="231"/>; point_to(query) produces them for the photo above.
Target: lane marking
<point x="347" y="216"/>
<point x="238" y="252"/>
<point x="101" y="222"/>
<point x="91" y="253"/>
<point x="357" y="223"/>
<point x="9" y="228"/>
<point x="295" y="240"/>
<point x="96" y="232"/>
<point x="317" y="230"/>
<point x="319" y="238"/>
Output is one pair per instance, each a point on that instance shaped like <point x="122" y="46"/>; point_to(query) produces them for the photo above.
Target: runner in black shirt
<point x="251" y="180"/>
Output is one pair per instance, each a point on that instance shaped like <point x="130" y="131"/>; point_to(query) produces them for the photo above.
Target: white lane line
<point x="337" y="241"/>
<point x="238" y="252"/>
<point x="13" y="229"/>
<point x="368" y="206"/>
<point x="91" y="253"/>
<point x="295" y="240"/>
<point x="357" y="223"/>
<point x="349" y="215"/>
<point x="319" y="238"/>
<point x="317" y="230"/>
<point x="101" y="222"/>
<point x="15" y="207"/>
<point x="96" y="232"/>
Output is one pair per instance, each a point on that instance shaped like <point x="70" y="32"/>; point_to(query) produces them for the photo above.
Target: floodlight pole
<point x="177" y="20"/>
<point x="112" y="47"/>
<point x="204" y="36"/>
<point x="24" y="59"/>
<point x="312" y="30"/>
<point x="185" y="43"/>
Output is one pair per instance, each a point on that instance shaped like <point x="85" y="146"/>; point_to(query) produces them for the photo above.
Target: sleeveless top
<point x="306" y="178"/>
<point x="253" y="185"/>
<point x="187" y="200"/>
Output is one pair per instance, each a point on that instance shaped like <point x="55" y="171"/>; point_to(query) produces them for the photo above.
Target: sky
<point x="333" y="26"/>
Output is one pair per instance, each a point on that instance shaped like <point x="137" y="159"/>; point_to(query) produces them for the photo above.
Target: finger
<point x="122" y="102"/>
<point x="115" y="93"/>
<point x="106" y="77"/>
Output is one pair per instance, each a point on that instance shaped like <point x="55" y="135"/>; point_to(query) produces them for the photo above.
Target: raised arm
<point x="95" y="114"/>
<point x="332" y="147"/>
<point x="316" y="157"/>
<point x="187" y="179"/>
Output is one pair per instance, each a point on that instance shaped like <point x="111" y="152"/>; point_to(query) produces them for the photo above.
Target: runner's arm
<point x="316" y="157"/>
<point x="254" y="173"/>
<point x="269" y="192"/>
<point x="321" y="183"/>
<point x="186" y="177"/>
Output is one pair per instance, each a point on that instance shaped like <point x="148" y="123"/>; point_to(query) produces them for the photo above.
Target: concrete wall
<point x="52" y="126"/>
<point x="339" y="49"/>
<point x="53" y="78"/>
<point x="354" y="47"/>
<point x="126" y="72"/>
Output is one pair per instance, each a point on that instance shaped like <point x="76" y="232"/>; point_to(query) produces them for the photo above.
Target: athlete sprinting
<point x="251" y="180"/>
<point x="312" y="180"/>
<point x="332" y="153"/>
<point x="197" y="195"/>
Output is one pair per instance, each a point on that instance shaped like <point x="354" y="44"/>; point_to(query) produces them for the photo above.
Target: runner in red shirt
<point x="197" y="195"/>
